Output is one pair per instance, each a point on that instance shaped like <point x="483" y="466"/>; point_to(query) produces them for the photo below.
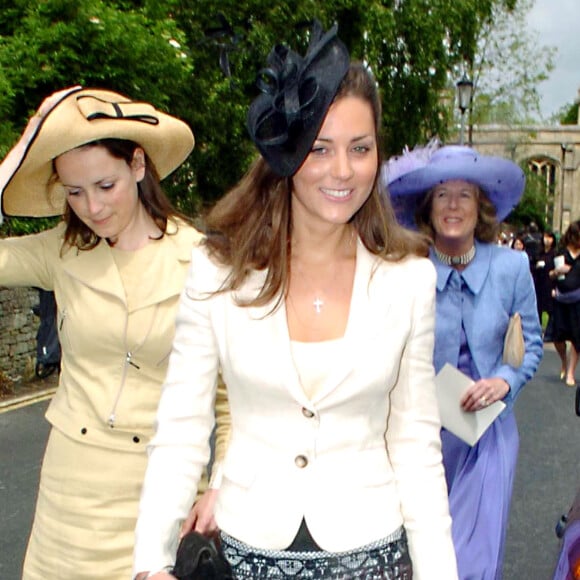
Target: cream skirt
<point x="85" y="513"/>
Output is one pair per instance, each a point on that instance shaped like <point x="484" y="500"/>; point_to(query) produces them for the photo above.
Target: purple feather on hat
<point x="399" y="165"/>
<point x="411" y="175"/>
<point x="409" y="160"/>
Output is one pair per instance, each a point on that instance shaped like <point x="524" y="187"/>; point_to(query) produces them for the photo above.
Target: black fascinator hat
<point x="297" y="92"/>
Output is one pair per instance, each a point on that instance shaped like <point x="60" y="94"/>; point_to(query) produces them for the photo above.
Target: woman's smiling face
<point x="339" y="173"/>
<point x="454" y="213"/>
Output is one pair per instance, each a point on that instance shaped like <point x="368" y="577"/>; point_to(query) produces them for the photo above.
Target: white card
<point x="450" y="385"/>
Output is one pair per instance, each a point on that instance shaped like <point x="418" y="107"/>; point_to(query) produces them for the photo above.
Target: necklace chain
<point x="319" y="301"/>
<point x="462" y="260"/>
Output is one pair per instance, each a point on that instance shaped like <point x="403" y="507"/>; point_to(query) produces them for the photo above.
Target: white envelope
<point x="450" y="384"/>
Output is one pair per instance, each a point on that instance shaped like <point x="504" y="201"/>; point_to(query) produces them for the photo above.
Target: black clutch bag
<point x="198" y="558"/>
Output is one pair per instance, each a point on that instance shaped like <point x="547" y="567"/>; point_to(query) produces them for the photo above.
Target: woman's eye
<point x="107" y="186"/>
<point x="73" y="191"/>
<point x="362" y="149"/>
<point x="318" y="150"/>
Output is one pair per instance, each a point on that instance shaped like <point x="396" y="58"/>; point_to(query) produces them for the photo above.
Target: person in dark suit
<point x="47" y="343"/>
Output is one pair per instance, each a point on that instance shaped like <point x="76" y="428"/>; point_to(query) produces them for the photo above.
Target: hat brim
<point x="167" y="141"/>
<point x="500" y="179"/>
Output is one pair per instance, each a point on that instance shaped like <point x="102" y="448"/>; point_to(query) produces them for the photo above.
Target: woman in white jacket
<point x="319" y="312"/>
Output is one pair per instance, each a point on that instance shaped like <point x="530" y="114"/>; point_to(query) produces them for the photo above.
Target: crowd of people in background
<point x="557" y="287"/>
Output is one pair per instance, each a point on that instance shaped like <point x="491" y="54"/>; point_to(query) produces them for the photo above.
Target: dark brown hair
<point x="151" y="195"/>
<point x="250" y="227"/>
<point x="571" y="237"/>
<point x="486" y="228"/>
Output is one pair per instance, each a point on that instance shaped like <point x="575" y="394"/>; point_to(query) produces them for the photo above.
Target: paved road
<point x="548" y="474"/>
<point x="23" y="434"/>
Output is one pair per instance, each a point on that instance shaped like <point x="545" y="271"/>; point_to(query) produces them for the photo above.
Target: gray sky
<point x="558" y="22"/>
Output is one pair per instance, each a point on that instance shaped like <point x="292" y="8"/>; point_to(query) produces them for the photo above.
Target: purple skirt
<point x="480" y="481"/>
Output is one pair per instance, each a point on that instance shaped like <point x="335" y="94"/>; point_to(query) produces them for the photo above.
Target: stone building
<point x="553" y="152"/>
<point x="18" y="327"/>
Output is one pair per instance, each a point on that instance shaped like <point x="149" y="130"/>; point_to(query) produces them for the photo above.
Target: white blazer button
<point x="307" y="413"/>
<point x="301" y="461"/>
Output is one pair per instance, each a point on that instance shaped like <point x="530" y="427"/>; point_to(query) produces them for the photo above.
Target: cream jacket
<point x="114" y="359"/>
<point x="357" y="461"/>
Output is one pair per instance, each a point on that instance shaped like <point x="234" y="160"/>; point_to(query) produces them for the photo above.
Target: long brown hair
<point x="156" y="203"/>
<point x="250" y="227"/>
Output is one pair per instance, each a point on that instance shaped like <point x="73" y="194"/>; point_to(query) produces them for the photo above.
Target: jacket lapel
<point x="96" y="269"/>
<point x="359" y="321"/>
<point x="275" y="329"/>
<point x="288" y="375"/>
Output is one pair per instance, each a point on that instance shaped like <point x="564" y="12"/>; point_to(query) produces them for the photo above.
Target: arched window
<point x="545" y="169"/>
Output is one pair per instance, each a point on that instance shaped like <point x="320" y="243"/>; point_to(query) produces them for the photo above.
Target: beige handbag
<point x="514" y="346"/>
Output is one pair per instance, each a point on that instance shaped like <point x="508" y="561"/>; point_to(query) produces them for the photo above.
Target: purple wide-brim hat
<point x="410" y="176"/>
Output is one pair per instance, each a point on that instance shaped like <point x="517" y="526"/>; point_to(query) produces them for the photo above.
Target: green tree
<point x="533" y="206"/>
<point x="48" y="45"/>
<point x="509" y="64"/>
<point x="411" y="46"/>
<point x="199" y="59"/>
<point x="568" y="114"/>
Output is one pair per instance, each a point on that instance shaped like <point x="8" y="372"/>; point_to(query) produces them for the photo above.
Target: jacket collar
<point x="96" y="268"/>
<point x="474" y="274"/>
<point x="357" y="325"/>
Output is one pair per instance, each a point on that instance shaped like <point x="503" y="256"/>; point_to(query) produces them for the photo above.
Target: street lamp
<point x="464" y="94"/>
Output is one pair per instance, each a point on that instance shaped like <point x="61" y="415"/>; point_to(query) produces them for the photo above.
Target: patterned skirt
<point x="386" y="559"/>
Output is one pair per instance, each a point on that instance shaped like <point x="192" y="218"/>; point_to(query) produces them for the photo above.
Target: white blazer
<point x="289" y="457"/>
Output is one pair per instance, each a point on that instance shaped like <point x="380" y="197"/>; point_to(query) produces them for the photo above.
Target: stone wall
<point x="559" y="145"/>
<point x="18" y="326"/>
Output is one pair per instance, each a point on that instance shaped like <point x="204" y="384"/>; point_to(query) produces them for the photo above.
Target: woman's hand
<point x="483" y="393"/>
<point x="200" y="518"/>
<point x="14" y="157"/>
<point x="45" y="107"/>
<point x="561" y="271"/>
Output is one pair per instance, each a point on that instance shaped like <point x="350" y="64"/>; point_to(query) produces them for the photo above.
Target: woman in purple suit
<point x="458" y="197"/>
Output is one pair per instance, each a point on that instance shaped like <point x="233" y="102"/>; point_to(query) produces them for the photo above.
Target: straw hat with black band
<point x="80" y="117"/>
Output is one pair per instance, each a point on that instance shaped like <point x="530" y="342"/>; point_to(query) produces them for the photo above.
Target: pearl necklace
<point x="462" y="260"/>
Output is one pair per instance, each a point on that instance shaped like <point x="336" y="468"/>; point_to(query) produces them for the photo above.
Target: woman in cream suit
<point x="319" y="311"/>
<point x="97" y="156"/>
